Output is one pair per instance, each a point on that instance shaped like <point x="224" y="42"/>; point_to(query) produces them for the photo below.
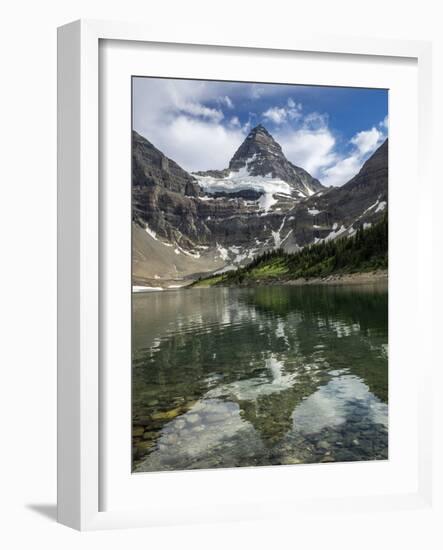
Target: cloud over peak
<point x="200" y="124"/>
<point x="199" y="110"/>
<point x="285" y="113"/>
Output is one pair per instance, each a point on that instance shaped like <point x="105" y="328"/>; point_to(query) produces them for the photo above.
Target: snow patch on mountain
<point x="285" y="238"/>
<point x="223" y="253"/>
<point x="334" y="234"/>
<point x="242" y="180"/>
<point x="276" y="235"/>
<point x="225" y="269"/>
<point x="151" y="233"/>
<point x="376" y="204"/>
<point x="266" y="201"/>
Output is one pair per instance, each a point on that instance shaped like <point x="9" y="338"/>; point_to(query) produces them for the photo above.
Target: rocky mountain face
<point x="186" y="225"/>
<point x="152" y="168"/>
<point x="339" y="211"/>
<point x="167" y="202"/>
<point x="261" y="157"/>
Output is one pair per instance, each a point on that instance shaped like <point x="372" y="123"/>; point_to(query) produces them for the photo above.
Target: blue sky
<point x="329" y="131"/>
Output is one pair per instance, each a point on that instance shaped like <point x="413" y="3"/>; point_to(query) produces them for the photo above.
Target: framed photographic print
<point x="228" y="216"/>
<point x="260" y="305"/>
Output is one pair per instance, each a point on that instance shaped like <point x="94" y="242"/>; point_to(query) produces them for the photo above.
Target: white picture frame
<point x="80" y="261"/>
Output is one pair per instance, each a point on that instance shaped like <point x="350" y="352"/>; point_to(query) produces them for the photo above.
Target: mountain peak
<point x="257" y="129"/>
<point x="261" y="155"/>
<point x="260" y="134"/>
<point x="258" y="145"/>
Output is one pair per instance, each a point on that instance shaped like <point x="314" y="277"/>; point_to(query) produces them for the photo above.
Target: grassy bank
<point x="365" y="252"/>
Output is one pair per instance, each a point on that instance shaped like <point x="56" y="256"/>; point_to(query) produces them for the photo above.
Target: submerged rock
<point x="167" y="415"/>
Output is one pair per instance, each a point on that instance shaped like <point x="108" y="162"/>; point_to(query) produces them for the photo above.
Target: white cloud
<point x="257" y="92"/>
<point x="313" y="150"/>
<point x="199" y="133"/>
<point x="367" y="140"/>
<point x="193" y="122"/>
<point x="364" y="144"/>
<point x="227" y="101"/>
<point x="316" y="121"/>
<point x="310" y="143"/>
<point x="314" y="147"/>
<point x="275" y="114"/>
<point x="199" y="110"/>
<point x="342" y="171"/>
<point x="384" y="123"/>
<point x="185" y="120"/>
<point x="279" y="115"/>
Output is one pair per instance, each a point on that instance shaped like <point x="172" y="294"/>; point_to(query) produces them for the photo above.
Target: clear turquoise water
<point x="272" y="375"/>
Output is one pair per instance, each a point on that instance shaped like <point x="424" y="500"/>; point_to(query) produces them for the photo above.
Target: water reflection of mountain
<point x="266" y="351"/>
<point x="359" y="312"/>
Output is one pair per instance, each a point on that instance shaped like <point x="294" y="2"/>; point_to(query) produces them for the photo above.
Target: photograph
<point x="259" y="226"/>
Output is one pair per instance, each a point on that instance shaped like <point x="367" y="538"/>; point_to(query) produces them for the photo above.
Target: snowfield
<point x="243" y="181"/>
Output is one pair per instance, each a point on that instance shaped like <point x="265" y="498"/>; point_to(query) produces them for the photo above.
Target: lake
<point x="229" y="377"/>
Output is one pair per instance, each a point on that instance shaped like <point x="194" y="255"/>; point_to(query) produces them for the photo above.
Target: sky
<point x="328" y="131"/>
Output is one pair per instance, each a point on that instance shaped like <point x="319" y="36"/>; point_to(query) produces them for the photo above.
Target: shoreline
<point x="359" y="278"/>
